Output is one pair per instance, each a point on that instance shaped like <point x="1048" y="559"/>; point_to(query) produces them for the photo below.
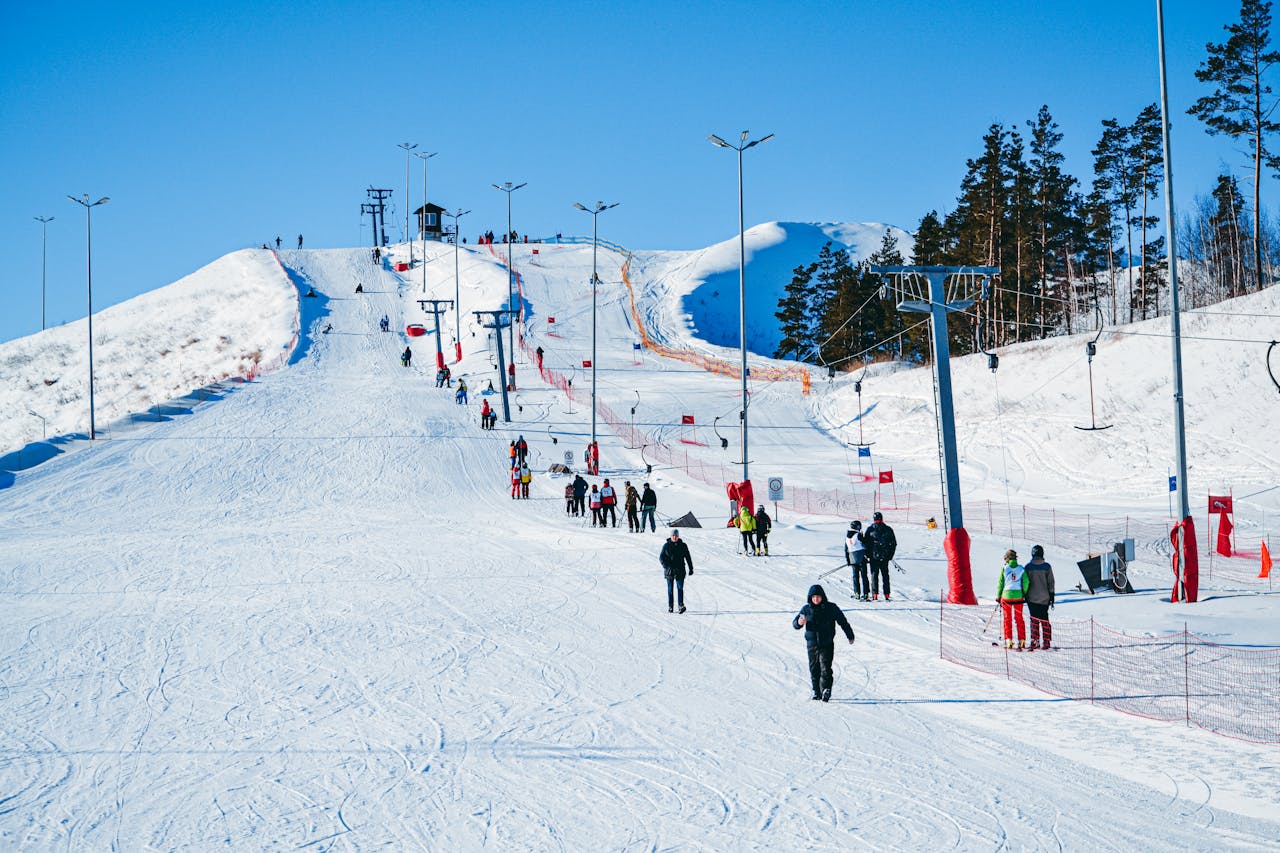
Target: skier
<point x="648" y="504"/>
<point x="522" y="449"/>
<point x="747" y="527"/>
<point x="515" y="482"/>
<point x="1010" y="592"/>
<point x="461" y="394"/>
<point x="277" y="241"/>
<point x="440" y="378"/>
<point x="484" y="415"/>
<point x="1040" y="598"/>
<point x="763" y="525"/>
<point x="608" y="504"/>
<point x="406" y="356"/>
<point x="819" y="618"/>
<point x="855" y="555"/>
<point x="448" y="376"/>
<point x="881" y="546"/>
<point x="385" y="323"/>
<point x="593" y="501"/>
<point x="526" y="477"/>
<point x="568" y="498"/>
<point x="579" y="495"/>
<point x="299" y="241"/>
<point x="674" y="557"/>
<point x="632" y="506"/>
<point x="539" y="353"/>
<point x="511" y="456"/>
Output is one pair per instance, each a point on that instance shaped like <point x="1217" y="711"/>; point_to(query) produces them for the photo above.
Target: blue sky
<point x="214" y="127"/>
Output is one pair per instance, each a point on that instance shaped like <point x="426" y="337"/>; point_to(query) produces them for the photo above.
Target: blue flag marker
<point x="1173" y="484"/>
<point x="864" y="451"/>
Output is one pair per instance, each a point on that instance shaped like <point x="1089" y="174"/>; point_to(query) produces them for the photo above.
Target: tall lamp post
<point x="742" y="145"/>
<point x="511" y="277"/>
<point x="407" y="148"/>
<point x="457" y="324"/>
<point x="84" y="202"/>
<point x="424" y="157"/>
<point x="44" y="243"/>
<point x="595" y="212"/>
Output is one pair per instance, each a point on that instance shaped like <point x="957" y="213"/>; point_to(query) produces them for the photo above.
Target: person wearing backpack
<point x="763" y="525"/>
<point x="881" y="544"/>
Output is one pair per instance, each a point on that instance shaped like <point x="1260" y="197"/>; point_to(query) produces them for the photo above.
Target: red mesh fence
<point x="1228" y="690"/>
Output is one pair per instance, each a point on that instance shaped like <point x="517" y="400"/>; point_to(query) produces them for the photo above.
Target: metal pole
<point x="511" y="284"/>
<point x="595" y="287"/>
<point x="946" y="413"/>
<point x="88" y="234"/>
<point x="742" y="314"/>
<point x="457" y="322"/>
<point x="407" y="148"/>
<point x="44" y="253"/>
<point x="1180" y="438"/>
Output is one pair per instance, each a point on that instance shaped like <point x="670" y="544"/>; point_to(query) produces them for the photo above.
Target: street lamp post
<point x="83" y="201"/>
<point x="44" y="243"/>
<point x="457" y="323"/>
<point x="424" y="157"/>
<point x="742" y="145"/>
<point x="595" y="212"/>
<point x="511" y="277"/>
<point x="407" y="148"/>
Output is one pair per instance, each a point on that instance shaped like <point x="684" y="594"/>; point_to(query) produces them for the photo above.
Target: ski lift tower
<point x="938" y="291"/>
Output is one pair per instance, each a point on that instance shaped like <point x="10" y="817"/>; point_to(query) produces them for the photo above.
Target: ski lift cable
<point x="1113" y="331"/>
<point x="1004" y="454"/>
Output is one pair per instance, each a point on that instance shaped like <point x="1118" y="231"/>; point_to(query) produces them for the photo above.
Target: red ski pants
<point x="1012" y="610"/>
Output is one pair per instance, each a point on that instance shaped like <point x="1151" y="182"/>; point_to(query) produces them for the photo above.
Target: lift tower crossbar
<point x="433" y="305"/>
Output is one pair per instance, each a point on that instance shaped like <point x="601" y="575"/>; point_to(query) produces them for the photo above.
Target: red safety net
<point x="1177" y="678"/>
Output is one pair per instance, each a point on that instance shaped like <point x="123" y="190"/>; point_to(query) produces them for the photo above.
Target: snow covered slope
<point x="226" y="319"/>
<point x="309" y="615"/>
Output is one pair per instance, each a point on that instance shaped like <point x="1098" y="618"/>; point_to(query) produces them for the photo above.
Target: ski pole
<point x="833" y="571"/>
<point x="990" y="618"/>
<point x="897" y="566"/>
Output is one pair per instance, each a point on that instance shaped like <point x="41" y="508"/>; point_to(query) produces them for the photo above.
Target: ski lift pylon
<point x="1090" y="350"/>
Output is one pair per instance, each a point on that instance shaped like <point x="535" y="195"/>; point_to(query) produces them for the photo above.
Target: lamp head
<point x="715" y="140"/>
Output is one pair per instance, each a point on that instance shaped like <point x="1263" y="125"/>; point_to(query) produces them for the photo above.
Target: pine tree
<point x="1054" y="215"/>
<point x="1148" y="159"/>
<point x="1114" y="167"/>
<point x="1242" y="103"/>
<point x="1226" y="250"/>
<point x="794" y="314"/>
<point x="931" y="241"/>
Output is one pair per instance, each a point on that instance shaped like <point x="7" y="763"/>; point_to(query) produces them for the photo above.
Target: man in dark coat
<point x="763" y="525"/>
<point x="819" y="618"/>
<point x="881" y="546"/>
<point x="579" y="495"/>
<point x="648" y="505"/>
<point x="674" y="557"/>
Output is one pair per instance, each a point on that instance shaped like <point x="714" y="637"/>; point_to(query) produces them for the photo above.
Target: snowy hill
<point x="308" y="614"/>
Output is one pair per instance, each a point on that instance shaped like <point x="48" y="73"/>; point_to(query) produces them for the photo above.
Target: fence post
<point x="941" y="615"/>
<point x="991" y="524"/>
<point x="1054" y="522"/>
<point x="1024" y="521"/>
<point x="1093" y="695"/>
<point x="1186" y="671"/>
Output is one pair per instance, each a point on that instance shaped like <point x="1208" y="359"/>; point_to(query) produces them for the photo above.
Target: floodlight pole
<point x="511" y="277"/>
<point x="1175" y="318"/>
<point x="742" y="145"/>
<point x="44" y="244"/>
<point x="83" y="201"/>
<point x="407" y="148"/>
<point x="600" y="207"/>
<point x="424" y="157"/>
<point x="457" y="323"/>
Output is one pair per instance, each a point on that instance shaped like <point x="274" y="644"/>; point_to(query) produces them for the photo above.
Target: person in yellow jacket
<point x="1010" y="591"/>
<point x="747" y="527"/>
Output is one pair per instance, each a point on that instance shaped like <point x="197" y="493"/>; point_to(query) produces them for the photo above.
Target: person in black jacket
<point x="763" y="525"/>
<point x="674" y="557"/>
<point x="819" y="618"/>
<point x="648" y="505"/>
<point x="881" y="546"/>
<point x="579" y="495"/>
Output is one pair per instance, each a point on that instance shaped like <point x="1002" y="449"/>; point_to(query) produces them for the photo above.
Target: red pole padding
<point x="439" y="361"/>
<point x="959" y="574"/>
<point x="1184" y="548"/>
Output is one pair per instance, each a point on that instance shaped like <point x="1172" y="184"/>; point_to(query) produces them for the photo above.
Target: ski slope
<point x="308" y="615"/>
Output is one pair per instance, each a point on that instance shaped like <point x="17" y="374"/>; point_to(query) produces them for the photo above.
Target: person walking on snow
<point x="855" y="555"/>
<point x="632" y="506"/>
<point x="1010" y="592"/>
<point x="763" y="525"/>
<point x="674" y="557"/>
<point x="515" y="482"/>
<point x="277" y="241"/>
<point x="568" y="498"/>
<point x="406" y="356"/>
<point x="522" y="447"/>
<point x="1040" y="598"/>
<point x="593" y="500"/>
<point x="526" y="477"/>
<point x="747" y="527"/>
<point x="648" y="505"/>
<point x="819" y="618"/>
<point x="608" y="504"/>
<point x="299" y="241"/>
<point x="484" y="415"/>
<point x="461" y="395"/>
<point x="881" y="546"/>
<point x="579" y="495"/>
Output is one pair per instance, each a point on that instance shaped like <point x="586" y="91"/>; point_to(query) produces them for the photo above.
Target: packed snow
<point x="306" y="612"/>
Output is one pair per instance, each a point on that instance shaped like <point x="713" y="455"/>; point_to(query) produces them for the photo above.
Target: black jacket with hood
<point x="820" y="620"/>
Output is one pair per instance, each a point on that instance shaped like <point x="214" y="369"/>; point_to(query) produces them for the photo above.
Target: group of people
<point x="488" y="416"/>
<point x="602" y="500"/>
<point x="385" y="323"/>
<point x="264" y="245"/>
<point x="444" y="377"/>
<point x="875" y="546"/>
<point x="1032" y="584"/>
<point x="521" y="477"/>
<point x="487" y="239"/>
<point x="754" y="528"/>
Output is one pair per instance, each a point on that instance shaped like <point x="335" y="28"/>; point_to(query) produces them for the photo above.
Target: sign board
<point x="568" y="458"/>
<point x="775" y="488"/>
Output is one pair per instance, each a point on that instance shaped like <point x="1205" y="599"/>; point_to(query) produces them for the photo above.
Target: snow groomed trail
<point x="310" y="616"/>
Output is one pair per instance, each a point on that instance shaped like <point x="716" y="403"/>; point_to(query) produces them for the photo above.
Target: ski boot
<point x="826" y="695"/>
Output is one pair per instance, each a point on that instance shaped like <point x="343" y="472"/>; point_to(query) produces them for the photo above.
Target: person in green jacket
<point x="1010" y="592"/>
<point x="747" y="527"/>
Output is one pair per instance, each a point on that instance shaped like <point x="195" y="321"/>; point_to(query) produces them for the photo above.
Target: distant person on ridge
<point x="299" y="241"/>
<point x="277" y="241"/>
<point x="674" y="557"/>
<point x="819" y="618"/>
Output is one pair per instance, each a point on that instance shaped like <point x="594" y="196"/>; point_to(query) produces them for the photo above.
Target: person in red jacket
<point x="515" y="482"/>
<point x="484" y="415"/>
<point x="608" y="504"/>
